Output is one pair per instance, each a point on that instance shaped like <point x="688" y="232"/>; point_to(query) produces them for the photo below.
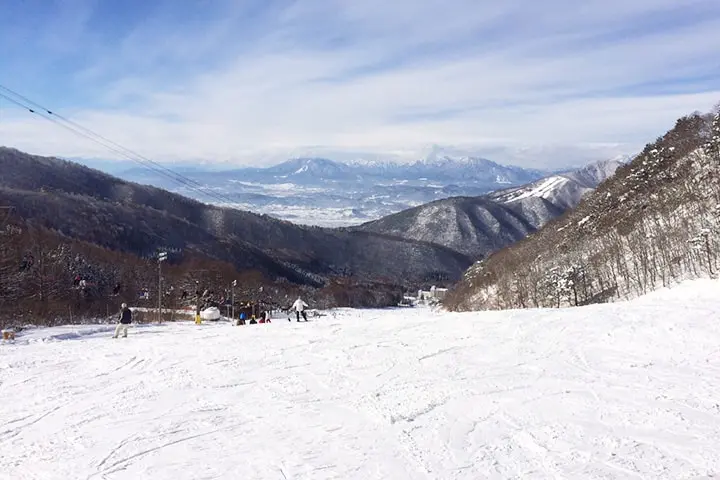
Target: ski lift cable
<point x="94" y="134"/>
<point x="97" y="135"/>
<point x="118" y="151"/>
<point x="109" y="147"/>
<point x="10" y="209"/>
<point x="70" y="180"/>
<point x="223" y="201"/>
<point x="60" y="124"/>
<point x="80" y="130"/>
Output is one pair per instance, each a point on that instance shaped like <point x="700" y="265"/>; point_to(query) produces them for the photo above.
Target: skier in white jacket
<point x="299" y="306"/>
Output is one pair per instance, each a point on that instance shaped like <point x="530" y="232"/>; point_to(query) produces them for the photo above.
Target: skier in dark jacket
<point x="125" y="318"/>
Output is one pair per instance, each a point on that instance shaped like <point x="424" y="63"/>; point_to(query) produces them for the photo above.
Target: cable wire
<point x="46" y="113"/>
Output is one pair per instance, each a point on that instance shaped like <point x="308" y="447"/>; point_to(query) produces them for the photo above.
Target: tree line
<point x="47" y="278"/>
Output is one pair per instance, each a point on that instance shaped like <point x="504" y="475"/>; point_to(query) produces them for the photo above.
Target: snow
<point x="542" y="189"/>
<point x="584" y="220"/>
<point x="280" y="190"/>
<point x="625" y="390"/>
<point x="323" y="216"/>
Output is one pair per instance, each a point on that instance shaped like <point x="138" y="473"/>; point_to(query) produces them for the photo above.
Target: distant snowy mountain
<point x="464" y="170"/>
<point x="324" y="192"/>
<point x="308" y="170"/>
<point x="594" y="174"/>
<point x="473" y="169"/>
<point x="477" y="226"/>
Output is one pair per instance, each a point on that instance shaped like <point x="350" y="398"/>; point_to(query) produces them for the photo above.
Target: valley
<point x="322" y="192"/>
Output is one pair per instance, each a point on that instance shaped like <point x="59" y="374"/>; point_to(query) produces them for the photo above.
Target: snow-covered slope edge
<point x="606" y="391"/>
<point x="563" y="190"/>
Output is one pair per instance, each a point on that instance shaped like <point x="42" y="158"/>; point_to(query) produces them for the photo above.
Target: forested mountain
<point x="62" y="210"/>
<point x="656" y="221"/>
<point x="88" y="205"/>
<point x="478" y="226"/>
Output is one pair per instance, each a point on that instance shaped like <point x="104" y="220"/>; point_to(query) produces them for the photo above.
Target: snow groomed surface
<point x="629" y="390"/>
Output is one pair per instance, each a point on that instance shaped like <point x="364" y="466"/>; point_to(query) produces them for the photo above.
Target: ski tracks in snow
<point x="611" y="391"/>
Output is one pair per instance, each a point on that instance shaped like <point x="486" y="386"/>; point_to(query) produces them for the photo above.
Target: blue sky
<point x="534" y="83"/>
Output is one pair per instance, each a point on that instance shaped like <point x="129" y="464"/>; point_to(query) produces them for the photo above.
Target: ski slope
<point x="626" y="391"/>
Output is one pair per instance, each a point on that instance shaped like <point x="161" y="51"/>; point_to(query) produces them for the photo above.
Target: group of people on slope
<point x="264" y="317"/>
<point x="125" y="316"/>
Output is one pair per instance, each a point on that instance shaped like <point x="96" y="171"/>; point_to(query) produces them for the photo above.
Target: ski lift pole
<point x="232" y="299"/>
<point x="197" y="303"/>
<point x="258" y="300"/>
<point x="162" y="256"/>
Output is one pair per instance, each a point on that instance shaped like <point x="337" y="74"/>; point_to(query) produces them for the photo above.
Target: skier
<point x="300" y="307"/>
<point x="125" y="318"/>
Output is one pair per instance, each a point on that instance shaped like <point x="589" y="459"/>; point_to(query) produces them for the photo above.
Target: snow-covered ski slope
<point x="628" y="390"/>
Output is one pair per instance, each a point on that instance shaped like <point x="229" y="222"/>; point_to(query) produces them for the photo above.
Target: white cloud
<point x="532" y="83"/>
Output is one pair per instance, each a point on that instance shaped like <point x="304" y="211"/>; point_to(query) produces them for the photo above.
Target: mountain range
<point x="318" y="191"/>
<point x="317" y="171"/>
<point x="88" y="205"/>
<point x="446" y="234"/>
<point x="611" y="230"/>
<point x="419" y="247"/>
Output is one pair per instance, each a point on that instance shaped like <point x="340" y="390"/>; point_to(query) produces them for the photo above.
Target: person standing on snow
<point x="125" y="320"/>
<point x="299" y="306"/>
